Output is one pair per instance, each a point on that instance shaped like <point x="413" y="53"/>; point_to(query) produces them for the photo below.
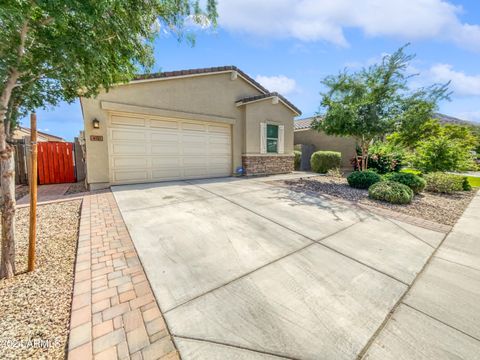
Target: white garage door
<point x="144" y="148"/>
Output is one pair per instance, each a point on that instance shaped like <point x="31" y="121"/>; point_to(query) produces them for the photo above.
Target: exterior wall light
<point x="96" y="124"/>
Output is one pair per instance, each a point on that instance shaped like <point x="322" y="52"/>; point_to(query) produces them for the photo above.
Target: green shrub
<point x="411" y="171"/>
<point x="442" y="153"/>
<point x="385" y="157"/>
<point x="391" y="191"/>
<point x="414" y="182"/>
<point x="363" y="179"/>
<point x="322" y="161"/>
<point x="443" y="183"/>
<point x="466" y="184"/>
<point x="297" y="159"/>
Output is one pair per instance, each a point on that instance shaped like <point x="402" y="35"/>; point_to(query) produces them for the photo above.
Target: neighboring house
<point x="21" y="132"/>
<point x="187" y="124"/>
<point x="305" y="135"/>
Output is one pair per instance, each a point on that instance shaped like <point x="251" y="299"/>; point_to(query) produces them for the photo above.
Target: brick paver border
<point x="114" y="311"/>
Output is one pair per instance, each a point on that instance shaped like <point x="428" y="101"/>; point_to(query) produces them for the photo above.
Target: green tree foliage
<point x="369" y="104"/>
<point x="445" y="151"/>
<point x="57" y="50"/>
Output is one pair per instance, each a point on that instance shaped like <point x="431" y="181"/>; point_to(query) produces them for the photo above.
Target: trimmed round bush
<point x="414" y="182"/>
<point x="322" y="161"/>
<point x="391" y="191"/>
<point x="297" y="159"/>
<point x="444" y="183"/>
<point x="363" y="179"/>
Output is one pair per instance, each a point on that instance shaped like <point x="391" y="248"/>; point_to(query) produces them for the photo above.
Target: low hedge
<point x="391" y="191"/>
<point x="444" y="183"/>
<point x="322" y="161"/>
<point x="363" y="179"/>
<point x="414" y="182"/>
<point x="297" y="159"/>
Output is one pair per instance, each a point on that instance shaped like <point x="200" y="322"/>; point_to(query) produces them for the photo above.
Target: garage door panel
<point x="128" y="149"/>
<point x="129" y="162"/>
<point x="195" y="161"/>
<point x="165" y="124"/>
<point x="172" y="149"/>
<point x="166" y="174"/>
<point x="128" y="135"/>
<point x="194" y="126"/>
<point x="165" y="136"/>
<point x="127" y="120"/>
<point x="195" y="172"/>
<point x="130" y="176"/>
<point x="166" y="162"/>
<point x="145" y="149"/>
<point x="219" y="129"/>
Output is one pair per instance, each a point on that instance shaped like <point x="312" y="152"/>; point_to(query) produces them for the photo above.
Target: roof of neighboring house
<point x="446" y="119"/>
<point x="269" y="95"/>
<point x="303" y="124"/>
<point x="200" y="71"/>
<point x="40" y="133"/>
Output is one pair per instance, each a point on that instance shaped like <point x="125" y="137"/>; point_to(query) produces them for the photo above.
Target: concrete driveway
<point x="245" y="269"/>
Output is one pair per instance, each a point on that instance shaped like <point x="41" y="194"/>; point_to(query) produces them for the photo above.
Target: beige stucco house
<point x="187" y="124"/>
<point x="304" y="134"/>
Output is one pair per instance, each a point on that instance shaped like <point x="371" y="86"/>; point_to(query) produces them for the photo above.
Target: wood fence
<point x="21" y="167"/>
<point x="55" y="163"/>
<point x="58" y="162"/>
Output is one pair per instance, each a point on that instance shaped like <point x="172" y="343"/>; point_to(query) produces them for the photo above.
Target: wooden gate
<point x="55" y="163"/>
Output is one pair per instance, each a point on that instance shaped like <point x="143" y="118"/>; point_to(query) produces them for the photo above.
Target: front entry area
<point x="145" y="148"/>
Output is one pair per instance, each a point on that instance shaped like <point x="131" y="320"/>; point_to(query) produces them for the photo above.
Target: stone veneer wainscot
<point x="267" y="164"/>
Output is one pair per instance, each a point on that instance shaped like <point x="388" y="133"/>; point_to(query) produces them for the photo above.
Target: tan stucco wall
<point x="344" y="145"/>
<point x="267" y="112"/>
<point x="213" y="94"/>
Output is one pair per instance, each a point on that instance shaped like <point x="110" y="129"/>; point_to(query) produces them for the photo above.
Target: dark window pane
<point x="272" y="131"/>
<point x="272" y="145"/>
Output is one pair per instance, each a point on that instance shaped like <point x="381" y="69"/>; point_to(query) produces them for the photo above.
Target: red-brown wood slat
<point x="71" y="164"/>
<point x="55" y="163"/>
<point x="41" y="178"/>
<point x="61" y="165"/>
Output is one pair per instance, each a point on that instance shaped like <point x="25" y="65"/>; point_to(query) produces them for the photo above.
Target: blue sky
<point x="290" y="45"/>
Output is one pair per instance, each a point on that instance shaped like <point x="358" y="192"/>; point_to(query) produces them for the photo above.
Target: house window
<point x="272" y="138"/>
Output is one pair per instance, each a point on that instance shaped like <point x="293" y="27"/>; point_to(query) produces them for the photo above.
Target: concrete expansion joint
<point x="238" y="347"/>
<point x="440" y="321"/>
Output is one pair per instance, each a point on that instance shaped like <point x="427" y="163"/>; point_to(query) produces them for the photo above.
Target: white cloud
<point x="461" y="83"/>
<point x="469" y="115"/>
<point x="313" y="20"/>
<point x="282" y="84"/>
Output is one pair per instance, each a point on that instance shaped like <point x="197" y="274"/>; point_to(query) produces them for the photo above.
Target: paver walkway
<point x="48" y="193"/>
<point x="114" y="313"/>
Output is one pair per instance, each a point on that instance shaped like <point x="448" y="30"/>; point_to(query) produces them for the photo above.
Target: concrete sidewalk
<point x="439" y="318"/>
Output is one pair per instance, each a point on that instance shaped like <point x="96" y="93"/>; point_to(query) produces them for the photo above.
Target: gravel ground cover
<point x="36" y="306"/>
<point x="443" y="209"/>
<point x="75" y="188"/>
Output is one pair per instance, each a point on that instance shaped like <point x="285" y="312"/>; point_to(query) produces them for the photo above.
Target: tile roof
<point x="169" y="74"/>
<point x="250" y="99"/>
<point x="302" y="124"/>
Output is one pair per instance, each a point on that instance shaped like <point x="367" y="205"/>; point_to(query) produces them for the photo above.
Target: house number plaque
<point x="96" y="138"/>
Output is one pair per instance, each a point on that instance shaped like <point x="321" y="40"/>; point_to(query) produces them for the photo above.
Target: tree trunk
<point x="7" y="182"/>
<point x="7" y="178"/>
